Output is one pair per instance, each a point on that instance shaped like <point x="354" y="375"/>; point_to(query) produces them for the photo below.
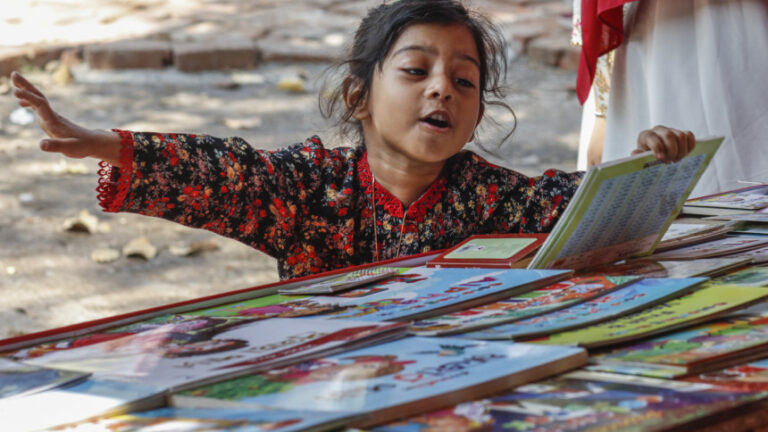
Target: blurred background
<point x="225" y="67"/>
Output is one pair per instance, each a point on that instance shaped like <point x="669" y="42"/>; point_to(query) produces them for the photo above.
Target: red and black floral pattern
<point x="312" y="207"/>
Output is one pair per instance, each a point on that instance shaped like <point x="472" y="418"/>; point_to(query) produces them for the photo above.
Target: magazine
<point x="702" y="304"/>
<point x="622" y="209"/>
<point x="391" y="380"/>
<point x="172" y="358"/>
<point x="641" y="294"/>
<point x="550" y="298"/>
<point x="581" y="402"/>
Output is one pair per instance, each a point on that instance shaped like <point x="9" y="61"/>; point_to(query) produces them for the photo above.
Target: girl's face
<point x="424" y="102"/>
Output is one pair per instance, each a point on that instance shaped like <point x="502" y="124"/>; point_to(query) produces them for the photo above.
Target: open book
<point x="622" y="209"/>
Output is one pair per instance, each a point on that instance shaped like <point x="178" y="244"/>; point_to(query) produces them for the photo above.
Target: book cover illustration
<point x="552" y="297"/>
<point x="17" y="379"/>
<point x="756" y="276"/>
<point x="622" y="209"/>
<point x="689" y="351"/>
<point x="702" y="304"/>
<point x="638" y="295"/>
<point x="582" y="401"/>
<point x="159" y="356"/>
<point x="210" y="420"/>
<point x="750" y="376"/>
<point x="271" y="306"/>
<point x="86" y="399"/>
<point x="750" y="198"/>
<point x="497" y="250"/>
<point x="670" y="269"/>
<point x="391" y="380"/>
<point x="344" y="282"/>
<point x="724" y="246"/>
<point x="428" y="291"/>
<point x="757" y="256"/>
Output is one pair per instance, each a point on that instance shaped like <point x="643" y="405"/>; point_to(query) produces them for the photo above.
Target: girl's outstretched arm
<point x="66" y="137"/>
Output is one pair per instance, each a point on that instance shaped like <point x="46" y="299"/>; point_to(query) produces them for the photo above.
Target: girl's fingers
<point x="71" y="147"/>
<point x="20" y="82"/>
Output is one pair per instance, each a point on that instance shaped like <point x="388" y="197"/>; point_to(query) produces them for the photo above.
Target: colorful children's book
<point x="755" y="276"/>
<point x="490" y="250"/>
<point x="583" y="402"/>
<point x="744" y="200"/>
<point x="641" y="294"/>
<point x="690" y="231"/>
<point x="89" y="398"/>
<point x="550" y="298"/>
<point x="757" y="256"/>
<point x="702" y="304"/>
<point x="18" y="379"/>
<point x="391" y="380"/>
<point x="272" y="306"/>
<point x="211" y="420"/>
<point x="423" y="292"/>
<point x="344" y="282"/>
<point x="622" y="209"/>
<point x="721" y="247"/>
<point x="748" y="376"/>
<point x="173" y="358"/>
<point x="710" y="346"/>
<point x="670" y="269"/>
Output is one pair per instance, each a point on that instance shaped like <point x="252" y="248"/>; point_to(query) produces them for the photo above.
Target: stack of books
<point x="622" y="318"/>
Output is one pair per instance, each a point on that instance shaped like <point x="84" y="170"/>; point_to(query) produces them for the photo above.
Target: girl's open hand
<point x="667" y="144"/>
<point x="66" y="137"/>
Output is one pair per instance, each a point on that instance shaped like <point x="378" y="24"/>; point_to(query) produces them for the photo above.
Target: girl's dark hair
<point x="379" y="30"/>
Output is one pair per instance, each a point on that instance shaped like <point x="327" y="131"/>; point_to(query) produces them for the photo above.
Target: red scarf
<point x="602" y="29"/>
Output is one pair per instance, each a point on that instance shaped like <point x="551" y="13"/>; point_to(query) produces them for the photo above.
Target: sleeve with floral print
<point x="222" y="185"/>
<point x="547" y="196"/>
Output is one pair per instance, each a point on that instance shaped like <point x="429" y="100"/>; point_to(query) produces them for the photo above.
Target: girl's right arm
<point x="66" y="137"/>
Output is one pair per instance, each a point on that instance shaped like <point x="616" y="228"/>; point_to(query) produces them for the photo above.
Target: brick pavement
<point x="195" y="35"/>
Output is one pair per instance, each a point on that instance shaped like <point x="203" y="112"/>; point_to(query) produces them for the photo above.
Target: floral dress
<point x="314" y="208"/>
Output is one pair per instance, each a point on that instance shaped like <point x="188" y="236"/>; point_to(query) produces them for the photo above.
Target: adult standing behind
<point x="698" y="65"/>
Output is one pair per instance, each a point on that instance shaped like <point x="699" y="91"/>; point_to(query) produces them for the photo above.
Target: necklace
<point x="376" y="226"/>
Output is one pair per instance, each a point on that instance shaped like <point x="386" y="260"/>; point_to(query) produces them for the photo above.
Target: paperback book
<point x="18" y="379"/>
<point x="641" y="294"/>
<point x="670" y="269"/>
<point x="155" y="358"/>
<point x="710" y="346"/>
<point x="344" y="282"/>
<point x="745" y="200"/>
<point x="490" y="250"/>
<point x="584" y="401"/>
<point x="210" y="420"/>
<point x="86" y="399"/>
<point x="755" y="276"/>
<point x="391" y="380"/>
<point x="424" y="292"/>
<point x="721" y="247"/>
<point x="550" y="298"/>
<point x="622" y="209"/>
<point x="747" y="376"/>
<point x="690" y="231"/>
<point x="702" y="304"/>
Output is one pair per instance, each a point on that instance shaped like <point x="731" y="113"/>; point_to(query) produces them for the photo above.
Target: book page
<point x="623" y="210"/>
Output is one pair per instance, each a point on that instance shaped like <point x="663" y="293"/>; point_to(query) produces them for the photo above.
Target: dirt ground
<point x="47" y="275"/>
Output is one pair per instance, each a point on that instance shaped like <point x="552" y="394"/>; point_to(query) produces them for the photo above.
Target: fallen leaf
<point x="194" y="248"/>
<point x="243" y="123"/>
<point x="84" y="222"/>
<point x="293" y="84"/>
<point x="140" y="247"/>
<point x="105" y="255"/>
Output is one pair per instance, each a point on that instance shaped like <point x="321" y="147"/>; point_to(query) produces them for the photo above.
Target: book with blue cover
<point x="391" y="380"/>
<point x="425" y="291"/>
<point x="638" y="295"/>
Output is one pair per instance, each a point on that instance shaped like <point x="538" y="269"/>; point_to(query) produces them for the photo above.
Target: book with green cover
<point x="702" y="304"/>
<point x="623" y="209"/>
<point x="709" y="346"/>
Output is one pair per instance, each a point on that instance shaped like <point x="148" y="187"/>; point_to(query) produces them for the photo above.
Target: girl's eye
<point x="415" y="71"/>
<point x="465" y="83"/>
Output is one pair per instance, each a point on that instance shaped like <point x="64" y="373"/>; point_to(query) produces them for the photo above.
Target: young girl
<point x="419" y="72"/>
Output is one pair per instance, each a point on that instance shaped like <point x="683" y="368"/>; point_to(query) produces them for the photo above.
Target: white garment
<point x="698" y="65"/>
